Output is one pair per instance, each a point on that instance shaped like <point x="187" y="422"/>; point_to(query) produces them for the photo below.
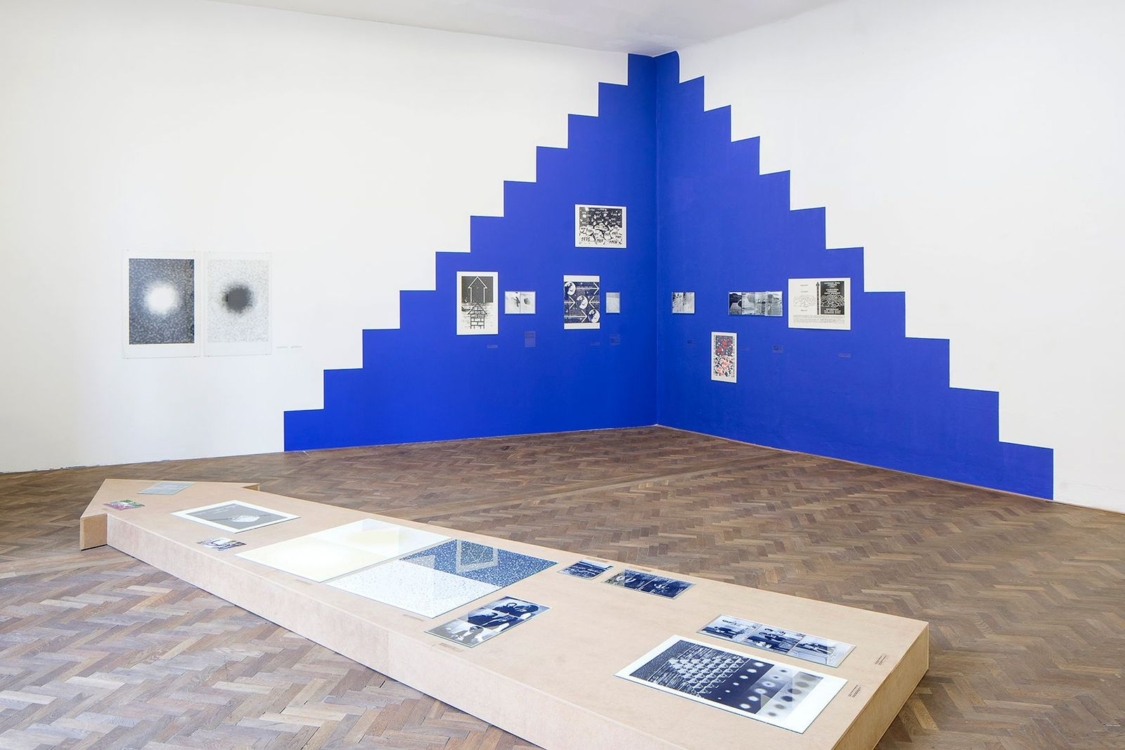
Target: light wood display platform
<point x="552" y="679"/>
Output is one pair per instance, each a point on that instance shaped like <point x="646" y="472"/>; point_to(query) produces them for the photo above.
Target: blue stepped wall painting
<point x="423" y="382"/>
<point x="869" y="395"/>
<point x="701" y="218"/>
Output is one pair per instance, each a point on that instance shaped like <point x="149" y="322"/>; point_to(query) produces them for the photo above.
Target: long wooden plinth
<point x="551" y="680"/>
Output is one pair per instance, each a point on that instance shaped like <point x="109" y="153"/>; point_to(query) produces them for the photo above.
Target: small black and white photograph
<point x="124" y="504"/>
<point x="637" y="580"/>
<point x="238" y="305"/>
<point x="586" y="569"/>
<point x="581" y="302"/>
<point x="477" y="308"/>
<point x="755" y="303"/>
<point x="612" y="302"/>
<point x="519" y="303"/>
<point x="235" y="516"/>
<point x="221" y="543"/>
<point x="489" y="621"/>
<point x="683" y="303"/>
<point x="160" y="318"/>
<point x="790" y="642"/>
<point x="166" y="488"/>
<point x="599" y="226"/>
<point x="777" y="694"/>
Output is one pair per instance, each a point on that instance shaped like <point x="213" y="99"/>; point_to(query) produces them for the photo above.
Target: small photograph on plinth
<point x="221" y="543"/>
<point x="166" y="488"/>
<point x="235" y="516"/>
<point x="649" y="583"/>
<point x="777" y="694"/>
<point x="124" y="505"/>
<point x="586" y="569"/>
<point x="769" y="638"/>
<point x="488" y="622"/>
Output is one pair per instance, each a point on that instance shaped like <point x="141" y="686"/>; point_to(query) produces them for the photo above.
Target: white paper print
<point x="238" y="305"/>
<point x="162" y="312"/>
<point x="519" y="303"/>
<point x="235" y="516"/>
<point x="820" y="303"/>
<point x="612" y="302"/>
<point x="777" y="694"/>
<point x="683" y="303"/>
<point x="477" y="310"/>
<point x="724" y="357"/>
<point x="755" y="303"/>
<point x="599" y="226"/>
<point x="581" y="302"/>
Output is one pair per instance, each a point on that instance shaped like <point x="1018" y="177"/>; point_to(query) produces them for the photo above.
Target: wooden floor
<point x="1026" y="598"/>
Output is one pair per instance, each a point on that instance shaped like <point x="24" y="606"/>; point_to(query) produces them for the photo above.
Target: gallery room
<point x="498" y="374"/>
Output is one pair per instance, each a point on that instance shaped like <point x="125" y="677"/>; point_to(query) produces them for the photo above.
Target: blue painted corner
<point x="423" y="382"/>
<point x="869" y="395"/>
<point x="702" y="218"/>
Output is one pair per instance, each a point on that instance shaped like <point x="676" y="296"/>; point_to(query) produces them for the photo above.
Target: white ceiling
<point x="648" y="27"/>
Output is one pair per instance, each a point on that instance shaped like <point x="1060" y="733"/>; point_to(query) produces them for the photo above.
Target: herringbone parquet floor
<point x="1026" y="598"/>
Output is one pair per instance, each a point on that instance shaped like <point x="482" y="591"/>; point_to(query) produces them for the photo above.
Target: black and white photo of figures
<point x="161" y="301"/>
<point x="769" y="638"/>
<point x="238" y="305"/>
<point x="776" y="694"/>
<point x="582" y="305"/>
<point x="586" y="569"/>
<point x="476" y="303"/>
<point x="489" y="621"/>
<point x="649" y="583"/>
<point x="599" y="226"/>
<point x="755" y="303"/>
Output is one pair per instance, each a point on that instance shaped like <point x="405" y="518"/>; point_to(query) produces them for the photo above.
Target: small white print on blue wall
<point x="582" y="307"/>
<point x="820" y="303"/>
<point x="724" y="357"/>
<point x="477" y="312"/>
<point x="599" y="226"/>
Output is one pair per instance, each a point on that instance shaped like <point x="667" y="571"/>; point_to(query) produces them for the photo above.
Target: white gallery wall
<point x="974" y="149"/>
<point x="348" y="151"/>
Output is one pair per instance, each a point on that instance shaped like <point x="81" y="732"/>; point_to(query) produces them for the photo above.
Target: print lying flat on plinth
<point x="599" y="226"/>
<point x="491" y="565"/>
<point x="649" y="583"/>
<point x="343" y="549"/>
<point x="124" y="504"/>
<point x="238" y="305"/>
<point x="519" y="303"/>
<point x="220" y="543"/>
<point x="415" y="588"/>
<point x="161" y="307"/>
<point x="683" y="303"/>
<point x="755" y="303"/>
<point x="586" y="569"/>
<point x="476" y="303"/>
<point x="582" y="302"/>
<point x="488" y="621"/>
<point x="166" y="488"/>
<point x="820" y="303"/>
<point x="776" y="694"/>
<point x="724" y="357"/>
<point x="779" y="640"/>
<point x="235" y="516"/>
